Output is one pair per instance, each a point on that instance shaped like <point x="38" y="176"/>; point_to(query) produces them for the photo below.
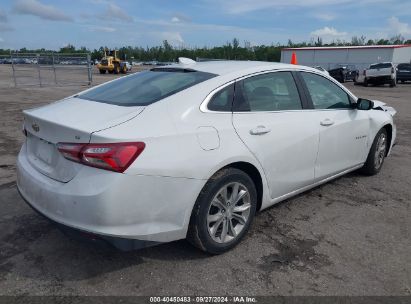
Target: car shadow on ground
<point x="31" y="246"/>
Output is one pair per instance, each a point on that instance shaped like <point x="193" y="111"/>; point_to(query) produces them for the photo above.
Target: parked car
<point x="322" y="69"/>
<point x="381" y="73"/>
<point x="344" y="73"/>
<point x="128" y="65"/>
<point x="173" y="153"/>
<point x="403" y="72"/>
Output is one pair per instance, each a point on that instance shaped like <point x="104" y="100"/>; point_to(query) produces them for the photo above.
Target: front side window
<point x="324" y="93"/>
<point x="144" y="88"/>
<point x="268" y="92"/>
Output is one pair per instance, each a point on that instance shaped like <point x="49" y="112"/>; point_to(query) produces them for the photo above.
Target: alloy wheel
<point x="380" y="150"/>
<point x="229" y="212"/>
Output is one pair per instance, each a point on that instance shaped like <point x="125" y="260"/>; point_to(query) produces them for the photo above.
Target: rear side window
<point x="268" y="92"/>
<point x="324" y="93"/>
<point x="144" y="88"/>
<point x="222" y="100"/>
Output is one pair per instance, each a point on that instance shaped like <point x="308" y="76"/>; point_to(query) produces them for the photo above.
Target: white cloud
<point x="329" y="34"/>
<point x="115" y="12"/>
<point x="398" y="27"/>
<point x="173" y="37"/>
<point x="246" y="6"/>
<point x="325" y="16"/>
<point x="180" y="18"/>
<point x="43" y="11"/>
<point x="175" y="19"/>
<point x="104" y="29"/>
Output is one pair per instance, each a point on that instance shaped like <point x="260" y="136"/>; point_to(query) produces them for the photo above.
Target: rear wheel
<point x="223" y="211"/>
<point x="102" y="71"/>
<point x="124" y="69"/>
<point x="377" y="153"/>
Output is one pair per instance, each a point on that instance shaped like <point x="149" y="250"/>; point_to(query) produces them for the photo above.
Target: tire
<point x="377" y="154"/>
<point x="124" y="69"/>
<point x="342" y="78"/>
<point x="215" y="226"/>
<point x="110" y="71"/>
<point x="116" y="69"/>
<point x="102" y="71"/>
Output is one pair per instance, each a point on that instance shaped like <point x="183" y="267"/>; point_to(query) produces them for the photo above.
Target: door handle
<point x="260" y="130"/>
<point x="327" y="122"/>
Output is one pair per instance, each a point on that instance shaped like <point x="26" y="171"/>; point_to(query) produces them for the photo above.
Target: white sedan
<point x="194" y="150"/>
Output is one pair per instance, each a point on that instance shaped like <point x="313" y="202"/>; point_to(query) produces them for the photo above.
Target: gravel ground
<point x="348" y="237"/>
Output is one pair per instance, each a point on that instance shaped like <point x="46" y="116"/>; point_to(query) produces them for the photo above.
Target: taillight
<point x="113" y="156"/>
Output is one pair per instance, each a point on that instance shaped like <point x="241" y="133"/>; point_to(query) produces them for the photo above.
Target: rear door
<point x="269" y="117"/>
<point x="343" y="129"/>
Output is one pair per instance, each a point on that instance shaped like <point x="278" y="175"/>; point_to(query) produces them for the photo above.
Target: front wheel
<point x="223" y="211"/>
<point x="377" y="153"/>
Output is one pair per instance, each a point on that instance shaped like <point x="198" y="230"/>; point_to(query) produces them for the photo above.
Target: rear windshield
<point x="404" y="66"/>
<point x="144" y="88"/>
<point x="380" y="66"/>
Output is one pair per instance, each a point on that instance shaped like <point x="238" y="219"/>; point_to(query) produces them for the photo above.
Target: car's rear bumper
<point x="380" y="79"/>
<point x="145" y="208"/>
<point x="123" y="244"/>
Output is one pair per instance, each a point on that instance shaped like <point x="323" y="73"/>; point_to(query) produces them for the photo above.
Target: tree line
<point x="231" y="50"/>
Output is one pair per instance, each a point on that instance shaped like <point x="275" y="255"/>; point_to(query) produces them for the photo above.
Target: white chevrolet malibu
<point x="194" y="150"/>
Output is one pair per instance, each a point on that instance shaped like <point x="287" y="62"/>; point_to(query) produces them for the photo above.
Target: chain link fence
<point x="45" y="69"/>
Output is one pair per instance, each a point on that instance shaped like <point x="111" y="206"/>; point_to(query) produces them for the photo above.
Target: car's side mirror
<point x="364" y="104"/>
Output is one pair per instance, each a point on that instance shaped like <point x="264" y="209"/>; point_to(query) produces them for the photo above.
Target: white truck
<point x="381" y="73"/>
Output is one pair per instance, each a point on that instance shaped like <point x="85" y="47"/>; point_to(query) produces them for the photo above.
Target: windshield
<point x="380" y="66"/>
<point x="144" y="88"/>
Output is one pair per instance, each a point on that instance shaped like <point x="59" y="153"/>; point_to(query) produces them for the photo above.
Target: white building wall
<point x="330" y="58"/>
<point x="402" y="55"/>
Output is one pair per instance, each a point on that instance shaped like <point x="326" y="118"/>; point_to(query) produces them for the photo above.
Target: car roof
<point x="225" y="67"/>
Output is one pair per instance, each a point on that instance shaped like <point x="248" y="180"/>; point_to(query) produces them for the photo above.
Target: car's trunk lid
<point x="70" y="120"/>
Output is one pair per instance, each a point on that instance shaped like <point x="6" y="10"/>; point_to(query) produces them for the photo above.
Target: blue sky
<point x="92" y="23"/>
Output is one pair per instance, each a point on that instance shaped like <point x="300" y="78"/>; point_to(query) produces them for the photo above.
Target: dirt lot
<point x="348" y="237"/>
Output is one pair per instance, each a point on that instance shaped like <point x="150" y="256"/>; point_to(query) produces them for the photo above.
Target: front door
<point x="343" y="129"/>
<point x="269" y="118"/>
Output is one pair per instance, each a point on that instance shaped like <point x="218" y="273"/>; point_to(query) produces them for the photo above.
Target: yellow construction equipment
<point x="112" y="63"/>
